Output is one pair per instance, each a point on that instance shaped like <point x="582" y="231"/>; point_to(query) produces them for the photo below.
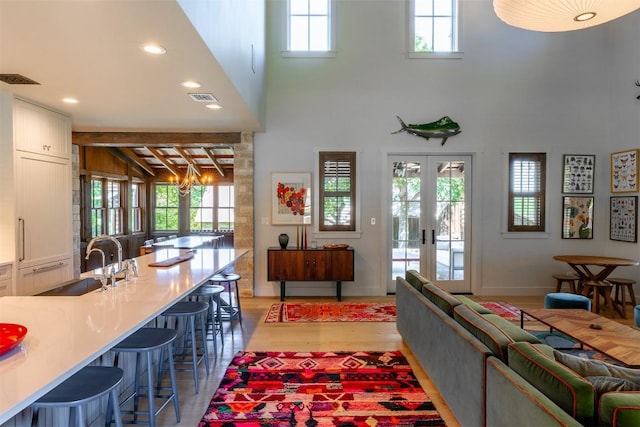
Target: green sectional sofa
<point x="492" y="373"/>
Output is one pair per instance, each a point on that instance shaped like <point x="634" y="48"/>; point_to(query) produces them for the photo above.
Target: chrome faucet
<point x="106" y="237"/>
<point x="103" y="278"/>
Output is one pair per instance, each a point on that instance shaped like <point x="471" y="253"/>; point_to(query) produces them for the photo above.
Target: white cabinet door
<point x="34" y="280"/>
<point x="44" y="218"/>
<point x="6" y="286"/>
<point x="40" y="130"/>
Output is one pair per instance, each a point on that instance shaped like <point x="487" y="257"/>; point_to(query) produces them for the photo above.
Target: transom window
<point x="337" y="191"/>
<point x="527" y="191"/>
<point x="309" y="25"/>
<point x="434" y="26"/>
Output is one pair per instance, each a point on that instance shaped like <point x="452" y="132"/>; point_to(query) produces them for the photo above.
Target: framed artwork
<point x="624" y="219"/>
<point x="291" y="198"/>
<point x="577" y="217"/>
<point x="578" y="173"/>
<point x="624" y="171"/>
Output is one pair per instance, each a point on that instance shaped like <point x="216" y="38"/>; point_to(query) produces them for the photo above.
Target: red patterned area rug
<point x="320" y="389"/>
<point x="504" y="310"/>
<point x="331" y="312"/>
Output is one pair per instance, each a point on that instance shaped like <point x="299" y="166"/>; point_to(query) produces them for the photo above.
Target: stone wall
<point x="244" y="216"/>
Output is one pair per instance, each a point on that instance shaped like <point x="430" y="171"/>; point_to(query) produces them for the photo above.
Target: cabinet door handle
<point x="48" y="267"/>
<point x="21" y="221"/>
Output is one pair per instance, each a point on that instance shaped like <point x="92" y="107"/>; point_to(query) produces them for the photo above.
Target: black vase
<point x="284" y="240"/>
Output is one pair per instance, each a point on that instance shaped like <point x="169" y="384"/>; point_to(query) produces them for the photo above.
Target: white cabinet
<point x="6" y="284"/>
<point x="35" y="194"/>
<point x="40" y="130"/>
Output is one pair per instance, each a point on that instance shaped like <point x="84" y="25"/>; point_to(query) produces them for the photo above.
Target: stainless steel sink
<point x="74" y="287"/>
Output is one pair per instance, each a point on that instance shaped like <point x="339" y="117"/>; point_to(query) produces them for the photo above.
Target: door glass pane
<point x="450" y="220"/>
<point x="405" y="206"/>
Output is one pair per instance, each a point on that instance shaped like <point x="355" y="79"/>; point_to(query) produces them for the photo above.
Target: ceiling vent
<point x="17" y="79"/>
<point x="203" y="97"/>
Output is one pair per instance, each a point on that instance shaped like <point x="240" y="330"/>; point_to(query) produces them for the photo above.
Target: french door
<point x="430" y="200"/>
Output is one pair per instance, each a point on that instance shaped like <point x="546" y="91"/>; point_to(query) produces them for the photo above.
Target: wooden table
<point x="618" y="341"/>
<point x="581" y="263"/>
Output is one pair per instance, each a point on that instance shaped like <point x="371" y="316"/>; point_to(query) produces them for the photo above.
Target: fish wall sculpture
<point x="443" y="128"/>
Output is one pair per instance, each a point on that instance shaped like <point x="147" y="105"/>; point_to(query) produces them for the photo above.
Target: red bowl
<point x="10" y="336"/>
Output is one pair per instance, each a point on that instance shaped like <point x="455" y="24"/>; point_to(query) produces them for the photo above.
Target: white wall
<point x="513" y="90"/>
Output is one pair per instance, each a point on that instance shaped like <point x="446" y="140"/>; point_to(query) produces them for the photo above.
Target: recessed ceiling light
<point x="154" y="49"/>
<point x="214" y="106"/>
<point x="190" y="84"/>
<point x="70" y="100"/>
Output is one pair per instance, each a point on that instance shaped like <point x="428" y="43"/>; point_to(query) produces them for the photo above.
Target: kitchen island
<point x="66" y="333"/>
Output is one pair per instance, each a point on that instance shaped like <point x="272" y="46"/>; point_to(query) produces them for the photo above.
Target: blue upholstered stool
<point x="189" y="310"/>
<point x="565" y="300"/>
<point x="145" y="342"/>
<point x="86" y="385"/>
<point x="636" y="315"/>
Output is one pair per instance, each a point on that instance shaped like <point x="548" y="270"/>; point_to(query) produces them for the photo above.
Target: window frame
<point x="455" y="53"/>
<point x="107" y="211"/>
<point x="166" y="208"/>
<point x="331" y="34"/>
<point x="136" y="207"/>
<point x="334" y="156"/>
<point x="540" y="194"/>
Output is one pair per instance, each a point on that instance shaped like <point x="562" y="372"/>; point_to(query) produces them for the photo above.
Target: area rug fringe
<point x="320" y="389"/>
<point x="331" y="312"/>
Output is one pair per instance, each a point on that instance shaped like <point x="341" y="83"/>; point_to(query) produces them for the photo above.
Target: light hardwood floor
<point x="259" y="336"/>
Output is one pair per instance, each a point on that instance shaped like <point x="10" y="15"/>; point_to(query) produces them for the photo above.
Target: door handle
<point x="424" y="236"/>
<point x="433" y="237"/>
<point x="21" y="221"/>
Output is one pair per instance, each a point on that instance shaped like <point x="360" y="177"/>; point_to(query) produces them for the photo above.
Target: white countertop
<point x="66" y="333"/>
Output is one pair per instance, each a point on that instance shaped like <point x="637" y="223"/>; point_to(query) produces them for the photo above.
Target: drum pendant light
<point x="561" y="15"/>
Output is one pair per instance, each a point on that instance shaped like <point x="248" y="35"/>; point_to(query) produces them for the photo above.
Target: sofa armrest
<point x="510" y="397"/>
<point x="620" y="409"/>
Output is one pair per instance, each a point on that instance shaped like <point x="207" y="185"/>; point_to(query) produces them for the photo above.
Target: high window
<point x="527" y="191"/>
<point x="167" y="201"/>
<point x="337" y="194"/>
<point x="309" y="25"/>
<point x="434" y="26"/>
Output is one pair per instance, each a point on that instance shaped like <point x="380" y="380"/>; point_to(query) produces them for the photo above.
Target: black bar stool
<point x="88" y="384"/>
<point x="146" y="341"/>
<point x="211" y="293"/>
<point x="231" y="309"/>
<point x="189" y="310"/>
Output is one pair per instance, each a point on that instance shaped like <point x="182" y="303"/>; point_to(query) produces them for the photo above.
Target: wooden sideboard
<point x="306" y="265"/>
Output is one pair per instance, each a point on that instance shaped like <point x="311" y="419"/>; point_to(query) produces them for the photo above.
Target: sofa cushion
<point x="485" y="331"/>
<point x="415" y="279"/>
<point x="515" y="332"/>
<point x="563" y="386"/>
<point x="620" y="409"/>
<point x="474" y="304"/>
<point x="443" y="299"/>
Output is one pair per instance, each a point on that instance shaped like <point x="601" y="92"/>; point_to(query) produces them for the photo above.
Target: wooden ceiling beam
<point x="155" y="139"/>
<point x="212" y="157"/>
<point x="158" y="155"/>
<point x="183" y="153"/>
<point x="137" y="160"/>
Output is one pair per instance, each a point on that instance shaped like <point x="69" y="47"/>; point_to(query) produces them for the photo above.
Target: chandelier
<point x="192" y="177"/>
<point x="561" y="15"/>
